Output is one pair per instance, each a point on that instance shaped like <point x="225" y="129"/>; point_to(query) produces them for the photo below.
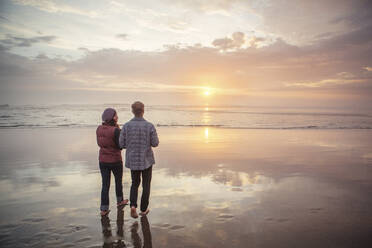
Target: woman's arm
<point x="116" y="137"/>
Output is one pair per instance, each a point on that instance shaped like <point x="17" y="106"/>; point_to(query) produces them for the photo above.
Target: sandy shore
<point x="211" y="187"/>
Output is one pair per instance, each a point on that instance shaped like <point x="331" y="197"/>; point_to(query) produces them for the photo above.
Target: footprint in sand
<point x="165" y="225"/>
<point x="176" y="227"/>
<point x="315" y="210"/>
<point x="40" y="235"/>
<point x="83" y="239"/>
<point x="282" y="220"/>
<point x="225" y="216"/>
<point x="33" y="220"/>
<point x="67" y="245"/>
<point x="71" y="229"/>
<point x="277" y="220"/>
<point x="4" y="236"/>
<point x="8" y="226"/>
<point x="170" y="227"/>
<point x="237" y="189"/>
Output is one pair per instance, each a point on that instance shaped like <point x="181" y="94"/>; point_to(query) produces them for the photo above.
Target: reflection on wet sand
<point x="108" y="240"/>
<point x="211" y="187"/>
<point x="146" y="232"/>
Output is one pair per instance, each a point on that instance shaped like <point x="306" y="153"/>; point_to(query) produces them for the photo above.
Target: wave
<point x="268" y="128"/>
<point x="76" y="116"/>
<point x="276" y="113"/>
<point x="201" y="109"/>
<point x="2" y="126"/>
<point x="189" y="125"/>
<point x="240" y="110"/>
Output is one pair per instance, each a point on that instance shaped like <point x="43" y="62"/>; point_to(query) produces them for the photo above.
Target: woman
<point x="110" y="158"/>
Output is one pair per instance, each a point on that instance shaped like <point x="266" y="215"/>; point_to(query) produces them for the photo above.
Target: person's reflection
<point x="108" y="240"/>
<point x="137" y="243"/>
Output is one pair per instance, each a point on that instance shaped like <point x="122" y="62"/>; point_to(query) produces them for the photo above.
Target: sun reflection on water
<point x="206" y="118"/>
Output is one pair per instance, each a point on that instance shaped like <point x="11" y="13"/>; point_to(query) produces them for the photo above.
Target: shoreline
<point x="185" y="126"/>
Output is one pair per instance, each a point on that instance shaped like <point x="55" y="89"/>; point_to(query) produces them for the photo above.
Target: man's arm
<point x="122" y="138"/>
<point x="154" y="139"/>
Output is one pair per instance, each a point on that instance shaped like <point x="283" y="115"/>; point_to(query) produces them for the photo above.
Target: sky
<point x="294" y="53"/>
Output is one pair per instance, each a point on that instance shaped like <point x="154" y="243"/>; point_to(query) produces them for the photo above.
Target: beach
<point x="211" y="187"/>
<point x="262" y="109"/>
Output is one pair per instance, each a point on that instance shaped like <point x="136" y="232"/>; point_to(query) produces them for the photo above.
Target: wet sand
<point x="211" y="187"/>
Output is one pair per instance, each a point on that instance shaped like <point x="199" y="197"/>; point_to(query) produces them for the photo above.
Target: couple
<point x="137" y="136"/>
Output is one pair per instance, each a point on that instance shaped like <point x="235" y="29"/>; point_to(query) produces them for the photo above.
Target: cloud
<point x="359" y="14"/>
<point x="14" y="41"/>
<point x="334" y="66"/>
<point x="122" y="36"/>
<point x="84" y="49"/>
<point x="161" y="21"/>
<point x="352" y="38"/>
<point x="55" y="7"/>
<point x="158" y="17"/>
<point x="331" y="82"/>
<point x="41" y="56"/>
<point x="255" y="41"/>
<point x="206" y="6"/>
<point x="302" y="22"/>
<point x="3" y="48"/>
<point x="237" y="40"/>
<point x="4" y="18"/>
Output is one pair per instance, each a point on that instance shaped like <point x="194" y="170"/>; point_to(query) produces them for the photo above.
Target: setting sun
<point x="207" y="91"/>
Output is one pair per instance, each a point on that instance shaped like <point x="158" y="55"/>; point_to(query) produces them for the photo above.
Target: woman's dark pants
<point x="117" y="170"/>
<point x="146" y="183"/>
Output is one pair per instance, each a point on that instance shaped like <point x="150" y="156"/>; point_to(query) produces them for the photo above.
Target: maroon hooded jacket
<point x="109" y="152"/>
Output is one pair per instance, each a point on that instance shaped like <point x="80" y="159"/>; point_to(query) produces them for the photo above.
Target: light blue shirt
<point x="138" y="136"/>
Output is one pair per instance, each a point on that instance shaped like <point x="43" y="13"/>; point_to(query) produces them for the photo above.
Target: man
<point x="138" y="136"/>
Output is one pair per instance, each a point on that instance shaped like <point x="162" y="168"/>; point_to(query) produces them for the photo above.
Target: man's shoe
<point x="145" y="212"/>
<point x="133" y="212"/>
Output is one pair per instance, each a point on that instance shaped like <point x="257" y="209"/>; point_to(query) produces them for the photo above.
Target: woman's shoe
<point x="123" y="203"/>
<point x="105" y="212"/>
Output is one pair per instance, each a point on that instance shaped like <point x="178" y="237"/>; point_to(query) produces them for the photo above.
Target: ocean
<point x="244" y="117"/>
<point x="225" y="176"/>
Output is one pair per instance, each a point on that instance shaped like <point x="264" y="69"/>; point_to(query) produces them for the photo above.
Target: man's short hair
<point x="138" y="108"/>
